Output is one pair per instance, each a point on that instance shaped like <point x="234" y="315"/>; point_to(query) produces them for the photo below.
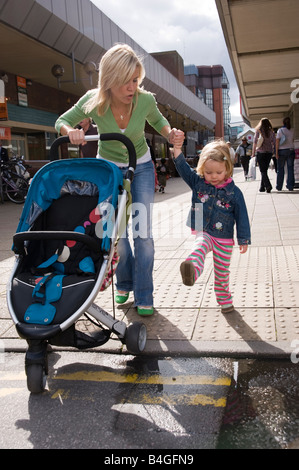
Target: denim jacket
<point x="215" y="210"/>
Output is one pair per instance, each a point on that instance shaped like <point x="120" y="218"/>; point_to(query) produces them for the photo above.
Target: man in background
<point x="3" y="153"/>
<point x="90" y="148"/>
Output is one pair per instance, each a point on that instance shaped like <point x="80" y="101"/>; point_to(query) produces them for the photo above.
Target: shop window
<point x="37" y="146"/>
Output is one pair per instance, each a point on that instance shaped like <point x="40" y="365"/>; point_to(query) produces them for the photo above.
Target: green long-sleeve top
<point x="144" y="109"/>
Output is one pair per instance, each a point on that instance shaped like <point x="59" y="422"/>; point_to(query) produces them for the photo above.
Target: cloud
<point x="191" y="28"/>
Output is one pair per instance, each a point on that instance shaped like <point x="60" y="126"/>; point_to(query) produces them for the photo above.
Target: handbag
<point x="260" y="141"/>
<point x="282" y="138"/>
<point x="252" y="168"/>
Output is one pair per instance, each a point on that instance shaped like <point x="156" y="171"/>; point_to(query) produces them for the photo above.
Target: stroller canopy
<point x="95" y="176"/>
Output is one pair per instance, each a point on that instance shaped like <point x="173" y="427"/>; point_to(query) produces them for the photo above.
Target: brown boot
<point x="188" y="273"/>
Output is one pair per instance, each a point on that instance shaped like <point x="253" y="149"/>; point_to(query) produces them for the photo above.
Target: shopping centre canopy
<point x="263" y="42"/>
<point x="39" y="34"/>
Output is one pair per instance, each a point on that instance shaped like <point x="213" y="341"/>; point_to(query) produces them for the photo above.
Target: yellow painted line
<point x="4" y="392"/>
<point x="104" y="376"/>
<point x="61" y="394"/>
<point x="180" y="399"/>
<point x="147" y="399"/>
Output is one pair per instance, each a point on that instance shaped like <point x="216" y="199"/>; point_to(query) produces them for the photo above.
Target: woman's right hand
<point x="76" y="136"/>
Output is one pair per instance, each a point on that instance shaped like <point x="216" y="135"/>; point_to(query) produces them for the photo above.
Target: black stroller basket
<point x="65" y="244"/>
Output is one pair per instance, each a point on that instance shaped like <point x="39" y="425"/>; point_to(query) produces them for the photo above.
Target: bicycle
<point x="19" y="166"/>
<point x="13" y="186"/>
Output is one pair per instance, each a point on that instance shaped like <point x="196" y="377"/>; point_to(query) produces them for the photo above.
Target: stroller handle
<point x="108" y="136"/>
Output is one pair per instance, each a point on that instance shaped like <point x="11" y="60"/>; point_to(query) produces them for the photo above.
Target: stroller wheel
<point x="136" y="337"/>
<point x="36" y="378"/>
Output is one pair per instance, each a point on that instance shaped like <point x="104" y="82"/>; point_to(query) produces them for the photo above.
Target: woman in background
<point x="285" y="153"/>
<point x="264" y="152"/>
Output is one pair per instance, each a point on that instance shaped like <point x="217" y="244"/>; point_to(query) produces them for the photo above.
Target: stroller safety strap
<point x="46" y="291"/>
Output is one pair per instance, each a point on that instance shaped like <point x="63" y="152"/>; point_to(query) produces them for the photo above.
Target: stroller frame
<point x="38" y="336"/>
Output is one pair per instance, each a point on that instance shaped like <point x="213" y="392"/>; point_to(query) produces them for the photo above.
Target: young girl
<point x="220" y="204"/>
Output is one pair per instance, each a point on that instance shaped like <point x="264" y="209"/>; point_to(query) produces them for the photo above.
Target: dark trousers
<point x="245" y="164"/>
<point x="263" y="160"/>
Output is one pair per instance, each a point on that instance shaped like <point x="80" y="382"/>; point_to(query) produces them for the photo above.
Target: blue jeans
<point x="135" y="271"/>
<point x="285" y="156"/>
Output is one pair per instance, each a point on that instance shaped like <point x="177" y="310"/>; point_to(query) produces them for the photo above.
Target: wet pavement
<point x="262" y="410"/>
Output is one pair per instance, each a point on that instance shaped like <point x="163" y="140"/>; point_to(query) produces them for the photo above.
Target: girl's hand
<point x="176" y="137"/>
<point x="179" y="138"/>
<point x="243" y="248"/>
<point x="177" y="143"/>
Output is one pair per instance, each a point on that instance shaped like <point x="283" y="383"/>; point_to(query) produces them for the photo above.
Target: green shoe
<point x="145" y="311"/>
<point x="121" y="298"/>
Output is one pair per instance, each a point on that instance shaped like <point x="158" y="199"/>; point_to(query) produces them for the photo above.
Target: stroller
<point x="65" y="245"/>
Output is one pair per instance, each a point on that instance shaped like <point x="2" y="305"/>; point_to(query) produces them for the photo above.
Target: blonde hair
<point x="218" y="151"/>
<point x="116" y="68"/>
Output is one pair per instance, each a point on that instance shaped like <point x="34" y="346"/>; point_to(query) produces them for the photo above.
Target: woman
<point x="120" y="105"/>
<point x="264" y="152"/>
<point x="285" y="153"/>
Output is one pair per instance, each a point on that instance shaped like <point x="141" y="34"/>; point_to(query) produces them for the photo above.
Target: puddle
<point x="262" y="410"/>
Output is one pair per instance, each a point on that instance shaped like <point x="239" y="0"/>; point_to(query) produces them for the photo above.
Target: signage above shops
<point x="5" y="133"/>
<point x="22" y="91"/>
<point x="3" y="106"/>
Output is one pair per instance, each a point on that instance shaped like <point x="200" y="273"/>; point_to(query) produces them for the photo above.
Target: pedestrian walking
<point x="244" y="152"/>
<point x="232" y="152"/>
<point x="264" y="147"/>
<point x="154" y="163"/>
<point x="88" y="149"/>
<point x="3" y="153"/>
<point x="162" y="172"/>
<point x="285" y="154"/>
<point x="217" y="205"/>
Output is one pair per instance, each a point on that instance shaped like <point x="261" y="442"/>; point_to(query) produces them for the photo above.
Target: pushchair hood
<point x="99" y="176"/>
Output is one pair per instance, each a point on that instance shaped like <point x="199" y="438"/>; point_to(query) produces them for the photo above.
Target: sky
<point x="191" y="27"/>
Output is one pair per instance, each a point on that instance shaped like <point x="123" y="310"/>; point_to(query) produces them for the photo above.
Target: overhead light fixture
<point x="4" y="77"/>
<point x="184" y="121"/>
<point x="167" y="111"/>
<point x="58" y="72"/>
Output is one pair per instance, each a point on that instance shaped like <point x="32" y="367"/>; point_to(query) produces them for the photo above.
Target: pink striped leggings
<point x="222" y="251"/>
